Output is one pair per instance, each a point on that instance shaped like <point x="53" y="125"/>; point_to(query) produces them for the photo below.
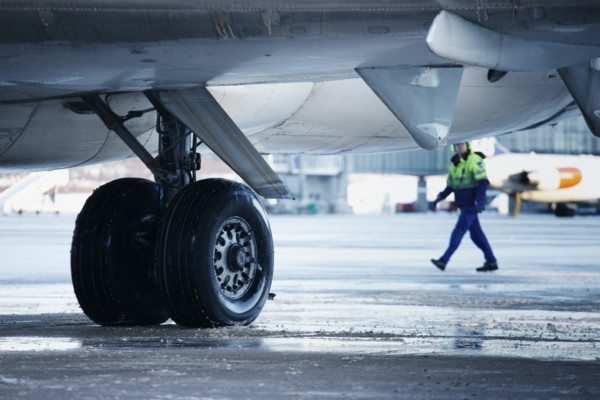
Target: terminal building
<point x="333" y="184"/>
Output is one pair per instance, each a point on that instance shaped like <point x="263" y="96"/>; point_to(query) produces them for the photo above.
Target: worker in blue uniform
<point x="467" y="178"/>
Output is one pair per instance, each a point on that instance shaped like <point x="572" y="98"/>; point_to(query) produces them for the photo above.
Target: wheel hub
<point x="235" y="257"/>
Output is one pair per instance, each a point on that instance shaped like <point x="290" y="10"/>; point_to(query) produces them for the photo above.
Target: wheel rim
<point x="235" y="258"/>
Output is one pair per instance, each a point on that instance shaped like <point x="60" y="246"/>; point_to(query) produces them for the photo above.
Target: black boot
<point x="441" y="264"/>
<point x="488" y="266"/>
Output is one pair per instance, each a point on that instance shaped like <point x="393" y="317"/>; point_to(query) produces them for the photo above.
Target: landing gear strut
<point x="200" y="252"/>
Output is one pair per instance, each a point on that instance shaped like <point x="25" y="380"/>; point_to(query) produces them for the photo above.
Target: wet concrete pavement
<point x="360" y="313"/>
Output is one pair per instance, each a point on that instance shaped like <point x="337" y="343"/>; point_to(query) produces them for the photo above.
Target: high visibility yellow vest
<point x="464" y="179"/>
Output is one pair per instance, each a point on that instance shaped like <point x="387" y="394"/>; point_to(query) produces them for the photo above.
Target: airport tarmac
<point x="359" y="313"/>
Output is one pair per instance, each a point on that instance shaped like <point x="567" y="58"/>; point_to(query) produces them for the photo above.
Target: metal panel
<point x="583" y="82"/>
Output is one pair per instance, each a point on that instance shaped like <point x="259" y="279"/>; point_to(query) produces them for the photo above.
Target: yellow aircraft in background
<point x="541" y="178"/>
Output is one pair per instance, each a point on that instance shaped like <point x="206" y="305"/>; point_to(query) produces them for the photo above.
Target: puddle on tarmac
<point x="540" y="350"/>
<point x="361" y="346"/>
<point x="34" y="343"/>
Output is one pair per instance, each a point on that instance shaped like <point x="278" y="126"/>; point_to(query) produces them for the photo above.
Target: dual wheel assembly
<point x="205" y="261"/>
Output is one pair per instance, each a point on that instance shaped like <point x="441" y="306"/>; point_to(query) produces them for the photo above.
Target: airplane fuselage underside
<point x="54" y="49"/>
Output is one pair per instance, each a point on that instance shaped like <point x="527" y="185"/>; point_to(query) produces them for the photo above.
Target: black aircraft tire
<point x="214" y="255"/>
<point x="112" y="254"/>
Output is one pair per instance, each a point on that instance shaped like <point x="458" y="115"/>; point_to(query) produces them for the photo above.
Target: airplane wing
<point x="320" y="77"/>
<point x="87" y="81"/>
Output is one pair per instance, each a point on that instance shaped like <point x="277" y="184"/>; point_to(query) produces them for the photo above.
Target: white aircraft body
<point x="540" y="178"/>
<point x="546" y="178"/>
<point x="87" y="81"/>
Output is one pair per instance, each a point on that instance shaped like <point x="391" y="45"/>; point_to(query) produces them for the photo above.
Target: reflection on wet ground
<point x="347" y="288"/>
<point x="416" y="330"/>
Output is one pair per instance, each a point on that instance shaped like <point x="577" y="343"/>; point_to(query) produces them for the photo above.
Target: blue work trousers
<point x="468" y="221"/>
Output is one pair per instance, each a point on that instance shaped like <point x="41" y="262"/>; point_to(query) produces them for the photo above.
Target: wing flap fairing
<point x="583" y="82"/>
<point x="459" y="40"/>
<point x="423" y="99"/>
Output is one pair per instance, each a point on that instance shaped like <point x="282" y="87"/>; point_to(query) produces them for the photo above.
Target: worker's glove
<point x="480" y="206"/>
<point x="433" y="205"/>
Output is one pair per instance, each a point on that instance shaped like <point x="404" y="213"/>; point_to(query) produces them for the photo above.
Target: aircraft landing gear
<point x="198" y="252"/>
<point x="215" y="255"/>
<point x="112" y="254"/>
<point x="563" y="210"/>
